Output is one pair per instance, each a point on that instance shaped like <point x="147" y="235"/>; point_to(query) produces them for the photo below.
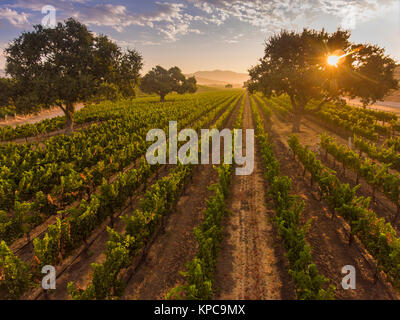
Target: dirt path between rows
<point x="176" y="245"/>
<point x="46" y="136"/>
<point x="251" y="263"/>
<point x="310" y="136"/>
<point x="80" y="270"/>
<point x="24" y="248"/>
<point x="328" y="237"/>
<point x="388" y="106"/>
<point x="35" y="118"/>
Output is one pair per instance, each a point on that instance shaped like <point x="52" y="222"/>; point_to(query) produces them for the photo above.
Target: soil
<point x="79" y="270"/>
<point x="251" y="264"/>
<point x="391" y="104"/>
<point x="175" y="240"/>
<point x="34" y="118"/>
<point x="328" y="237"/>
<point x="176" y="245"/>
<point x="310" y="136"/>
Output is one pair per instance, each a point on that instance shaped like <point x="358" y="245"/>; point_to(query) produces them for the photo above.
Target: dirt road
<point x="251" y="263"/>
<point x="34" y="118"/>
<point x="389" y="106"/>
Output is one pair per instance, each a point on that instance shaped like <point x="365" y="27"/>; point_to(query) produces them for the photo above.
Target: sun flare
<point x="333" y="60"/>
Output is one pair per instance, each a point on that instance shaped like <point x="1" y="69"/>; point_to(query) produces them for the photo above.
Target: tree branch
<point x="294" y="104"/>
<point x="61" y="107"/>
<point x="323" y="102"/>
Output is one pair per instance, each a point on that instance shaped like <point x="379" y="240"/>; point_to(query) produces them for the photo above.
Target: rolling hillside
<point x="220" y="78"/>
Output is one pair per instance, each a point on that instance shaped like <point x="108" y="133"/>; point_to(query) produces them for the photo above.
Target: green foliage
<point x="79" y="222"/>
<point x="66" y="64"/>
<point x="379" y="238"/>
<point x="295" y="64"/>
<point x="382" y="154"/>
<point x="200" y="271"/>
<point x="162" y="81"/>
<point x="375" y="175"/>
<point x="49" y="249"/>
<point x="69" y="167"/>
<point x="310" y="285"/>
<point x="15" y="275"/>
<point x="139" y="227"/>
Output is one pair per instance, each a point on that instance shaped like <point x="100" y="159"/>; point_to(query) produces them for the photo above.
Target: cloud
<point x="234" y="39"/>
<point x="273" y="15"/>
<point x="128" y="44"/>
<point x="169" y="19"/>
<point x="174" y="19"/>
<point x="15" y="18"/>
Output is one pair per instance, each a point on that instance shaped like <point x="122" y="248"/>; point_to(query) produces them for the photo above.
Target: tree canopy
<point x="161" y="81"/>
<point x="68" y="63"/>
<point x="296" y="64"/>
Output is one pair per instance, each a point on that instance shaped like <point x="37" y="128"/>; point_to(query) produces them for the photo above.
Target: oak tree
<point x="68" y="64"/>
<point x="161" y="81"/>
<point x="326" y="67"/>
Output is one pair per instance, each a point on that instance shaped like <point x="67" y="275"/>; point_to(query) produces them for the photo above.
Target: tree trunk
<point x="162" y="98"/>
<point x="351" y="238"/>
<point x="112" y="221"/>
<point x="69" y="114"/>
<point x="298" y="111"/>
<point x="296" y="123"/>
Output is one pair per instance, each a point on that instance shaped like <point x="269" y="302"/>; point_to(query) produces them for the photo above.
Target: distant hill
<point x="209" y="82"/>
<point x="220" y="78"/>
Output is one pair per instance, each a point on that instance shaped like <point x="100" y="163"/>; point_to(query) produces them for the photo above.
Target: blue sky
<point x="209" y="34"/>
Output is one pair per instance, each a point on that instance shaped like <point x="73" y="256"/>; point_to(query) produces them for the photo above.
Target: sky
<point x="198" y="35"/>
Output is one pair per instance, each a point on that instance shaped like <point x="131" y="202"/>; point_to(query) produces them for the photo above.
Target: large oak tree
<point x="296" y="64"/>
<point x="161" y="81"/>
<point x="68" y="64"/>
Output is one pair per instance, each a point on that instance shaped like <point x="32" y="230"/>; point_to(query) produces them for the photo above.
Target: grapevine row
<point x="72" y="186"/>
<point x="105" y="111"/>
<point x="199" y="276"/>
<point x="310" y="285"/>
<point x="69" y="233"/>
<point x="142" y="224"/>
<point x="378" y="237"/>
<point x="385" y="155"/>
<point x="374" y="174"/>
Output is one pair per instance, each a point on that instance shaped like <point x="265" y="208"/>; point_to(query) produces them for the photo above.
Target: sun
<point x="333" y="60"/>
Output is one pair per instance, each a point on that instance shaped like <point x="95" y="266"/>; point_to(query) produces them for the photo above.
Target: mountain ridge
<point x="219" y="77"/>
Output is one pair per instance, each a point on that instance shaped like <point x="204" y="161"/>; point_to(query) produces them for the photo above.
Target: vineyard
<point x="148" y="159"/>
<point x="116" y="227"/>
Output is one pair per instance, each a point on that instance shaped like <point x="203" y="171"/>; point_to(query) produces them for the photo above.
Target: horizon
<point x="208" y="35"/>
